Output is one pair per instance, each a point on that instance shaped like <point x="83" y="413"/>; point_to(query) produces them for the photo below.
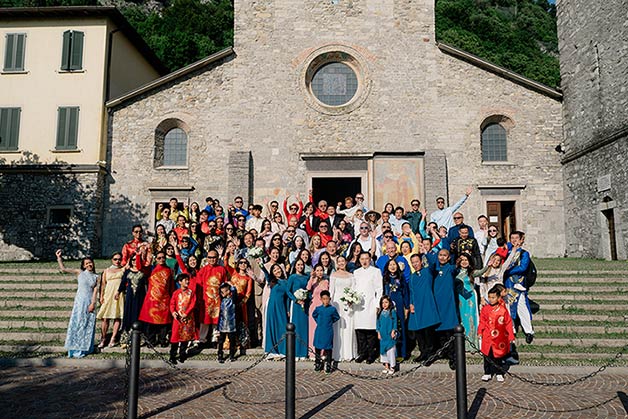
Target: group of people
<point x="356" y="283"/>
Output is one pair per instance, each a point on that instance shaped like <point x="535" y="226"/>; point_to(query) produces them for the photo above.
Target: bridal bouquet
<point x="256" y="253"/>
<point x="350" y="297"/>
<point x="301" y="295"/>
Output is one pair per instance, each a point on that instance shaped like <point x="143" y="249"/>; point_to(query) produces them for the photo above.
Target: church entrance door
<point x="502" y="214"/>
<point x="335" y="189"/>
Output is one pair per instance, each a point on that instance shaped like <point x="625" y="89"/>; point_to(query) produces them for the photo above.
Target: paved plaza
<point x="90" y="392"/>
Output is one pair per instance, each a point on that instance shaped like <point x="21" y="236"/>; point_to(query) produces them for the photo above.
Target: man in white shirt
<point x="481" y="234"/>
<point x="366" y="238"/>
<point x="255" y="221"/>
<point x="368" y="283"/>
<point x="445" y="216"/>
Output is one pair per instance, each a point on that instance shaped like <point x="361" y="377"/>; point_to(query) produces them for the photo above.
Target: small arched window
<point x="175" y="148"/>
<point x="494" y="138"/>
<point x="171" y="144"/>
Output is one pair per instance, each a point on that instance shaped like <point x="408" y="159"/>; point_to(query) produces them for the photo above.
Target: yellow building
<point x="59" y="67"/>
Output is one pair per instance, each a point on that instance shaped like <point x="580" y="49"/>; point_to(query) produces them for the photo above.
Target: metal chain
<point x="437" y="355"/>
<point x="611" y="362"/>
<point x="221" y="377"/>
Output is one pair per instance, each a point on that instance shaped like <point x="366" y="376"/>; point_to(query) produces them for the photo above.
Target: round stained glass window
<point x="334" y="84"/>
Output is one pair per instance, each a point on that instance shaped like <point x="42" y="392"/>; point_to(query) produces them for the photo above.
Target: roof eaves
<point x="169" y="77"/>
<point x="501" y="71"/>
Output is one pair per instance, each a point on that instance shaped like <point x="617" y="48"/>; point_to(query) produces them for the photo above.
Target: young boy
<point x="325" y="316"/>
<point x="227" y="321"/>
<point x="183" y="328"/>
<point x="497" y="334"/>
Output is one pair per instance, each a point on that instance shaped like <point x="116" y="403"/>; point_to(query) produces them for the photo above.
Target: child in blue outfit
<point x="227" y="321"/>
<point x="387" y="333"/>
<point x="325" y="316"/>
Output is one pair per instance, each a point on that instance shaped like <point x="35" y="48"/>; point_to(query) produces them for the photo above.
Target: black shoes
<point x="232" y="358"/>
<point x="360" y="359"/>
<point x="318" y="365"/>
<point x="173" y="360"/>
<point x="529" y="338"/>
<point x="221" y="359"/>
<point x="328" y="368"/>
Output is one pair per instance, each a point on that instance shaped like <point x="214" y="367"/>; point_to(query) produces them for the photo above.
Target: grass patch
<point x="34" y="329"/>
<point x="73" y="264"/>
<point x="34" y="318"/>
<point x="46" y="298"/>
<point x="570" y="349"/>
<point x="576" y="323"/>
<point x="29" y="308"/>
<point x="571" y="335"/>
<point x="576" y="264"/>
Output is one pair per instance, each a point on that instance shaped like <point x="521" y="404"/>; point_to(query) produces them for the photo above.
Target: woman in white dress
<point x="344" y="336"/>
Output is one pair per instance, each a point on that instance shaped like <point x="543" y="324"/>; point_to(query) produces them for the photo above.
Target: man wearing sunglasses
<point x="445" y="216"/>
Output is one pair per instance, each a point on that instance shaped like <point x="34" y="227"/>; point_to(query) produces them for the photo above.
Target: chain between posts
<point x="222" y="377"/>
<point x="437" y="355"/>
<point x="611" y="362"/>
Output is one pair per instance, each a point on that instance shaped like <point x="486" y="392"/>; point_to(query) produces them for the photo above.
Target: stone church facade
<point x="353" y="92"/>
<point x="593" y="41"/>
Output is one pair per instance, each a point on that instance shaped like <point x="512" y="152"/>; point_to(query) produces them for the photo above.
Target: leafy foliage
<point x="517" y="34"/>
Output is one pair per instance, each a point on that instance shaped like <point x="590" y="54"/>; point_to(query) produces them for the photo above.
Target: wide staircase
<point x="582" y="320"/>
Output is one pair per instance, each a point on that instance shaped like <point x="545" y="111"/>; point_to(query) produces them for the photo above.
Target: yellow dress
<point x="112" y="308"/>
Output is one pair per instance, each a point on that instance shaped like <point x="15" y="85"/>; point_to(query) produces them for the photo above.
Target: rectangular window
<point x="72" y="52"/>
<point x="67" y="128"/>
<point x="9" y="128"/>
<point x="14" y="51"/>
<point x="59" y="215"/>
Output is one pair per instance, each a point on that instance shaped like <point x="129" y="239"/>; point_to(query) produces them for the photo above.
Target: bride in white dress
<point x="344" y="336"/>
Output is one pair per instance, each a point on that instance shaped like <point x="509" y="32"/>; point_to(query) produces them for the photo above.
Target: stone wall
<point x="593" y="43"/>
<point x="418" y="100"/>
<point x="27" y="195"/>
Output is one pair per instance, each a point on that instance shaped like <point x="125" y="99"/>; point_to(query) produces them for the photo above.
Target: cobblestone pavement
<point x="73" y="392"/>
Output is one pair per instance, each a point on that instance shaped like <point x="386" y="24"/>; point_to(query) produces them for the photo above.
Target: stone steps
<point x="65" y="313"/>
<point x="579" y="280"/>
<point x="579" y="317"/>
<point x="32" y="324"/>
<point x="577" y="329"/>
<point x="39" y="294"/>
<point x="584" y="342"/>
<point x="24" y="287"/>
<point x="606" y="297"/>
<point x="28" y="304"/>
<point x="578" y="289"/>
<point x="622" y="308"/>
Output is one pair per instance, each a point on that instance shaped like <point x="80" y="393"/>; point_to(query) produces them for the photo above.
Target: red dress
<point x="183" y="302"/>
<point x="155" y="309"/>
<point x="496" y="330"/>
<point x="244" y="285"/>
<point x="208" y="281"/>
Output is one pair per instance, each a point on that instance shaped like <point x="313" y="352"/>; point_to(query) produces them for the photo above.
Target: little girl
<point x="387" y="334"/>
<point x="183" y="329"/>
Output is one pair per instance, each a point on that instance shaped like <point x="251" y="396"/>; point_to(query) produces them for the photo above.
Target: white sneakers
<point x="487" y="377"/>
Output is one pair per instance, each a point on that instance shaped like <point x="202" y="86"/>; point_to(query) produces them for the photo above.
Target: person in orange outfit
<point x="155" y="310"/>
<point x="497" y="333"/>
<point x="183" y="326"/>
<point x="208" y="280"/>
<point x="242" y="280"/>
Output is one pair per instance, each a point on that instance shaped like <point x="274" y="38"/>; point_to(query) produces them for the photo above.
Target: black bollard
<point x="461" y="373"/>
<point x="134" y="373"/>
<point x="290" y="371"/>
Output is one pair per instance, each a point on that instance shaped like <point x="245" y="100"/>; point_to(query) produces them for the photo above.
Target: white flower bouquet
<point x="301" y="295"/>
<point x="350" y="297"/>
<point x="256" y="253"/>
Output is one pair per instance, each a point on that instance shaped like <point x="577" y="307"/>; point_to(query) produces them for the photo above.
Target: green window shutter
<point x="65" y="53"/>
<point x="61" y="128"/>
<point x="9" y="128"/>
<point x="76" y="56"/>
<point x="8" y="51"/>
<point x="67" y="128"/>
<point x="72" y="127"/>
<point x="20" y="40"/>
